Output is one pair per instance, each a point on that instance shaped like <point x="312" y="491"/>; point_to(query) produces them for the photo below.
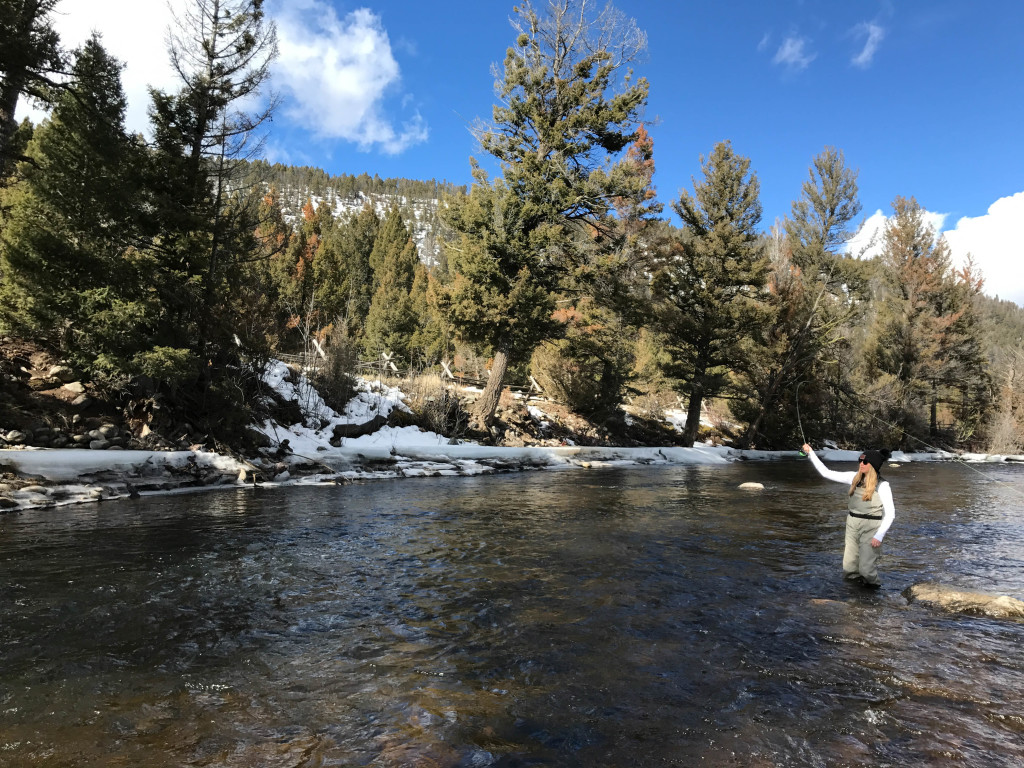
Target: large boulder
<point x="17" y="437"/>
<point x="62" y="372"/>
<point x="964" y="601"/>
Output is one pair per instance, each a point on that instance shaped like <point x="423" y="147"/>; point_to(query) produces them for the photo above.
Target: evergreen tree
<point x="30" y="55"/>
<point x="966" y="382"/>
<point x="709" y="283"/>
<point x="352" y="241"/>
<point x="431" y="341"/>
<point x="589" y="367"/>
<point x="814" y="292"/>
<point x="328" y="270"/>
<point x="221" y="51"/>
<point x="908" y="356"/>
<point x="74" y="273"/>
<point x="618" y="276"/>
<point x="562" y="119"/>
<point x="294" y="273"/>
<point x="256" y="306"/>
<point x="390" y="322"/>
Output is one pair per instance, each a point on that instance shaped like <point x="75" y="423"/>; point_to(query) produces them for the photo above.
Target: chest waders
<point x="860" y="559"/>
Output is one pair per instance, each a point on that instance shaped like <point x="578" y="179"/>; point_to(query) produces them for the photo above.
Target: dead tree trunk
<point x="487" y="404"/>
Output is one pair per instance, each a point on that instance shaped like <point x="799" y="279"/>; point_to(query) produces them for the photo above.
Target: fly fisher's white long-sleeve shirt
<point x="883" y="490"/>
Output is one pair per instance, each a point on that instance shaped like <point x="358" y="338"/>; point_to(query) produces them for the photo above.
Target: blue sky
<point x="924" y="97"/>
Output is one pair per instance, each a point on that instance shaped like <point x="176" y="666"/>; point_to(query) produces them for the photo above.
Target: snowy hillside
<point x="420" y="215"/>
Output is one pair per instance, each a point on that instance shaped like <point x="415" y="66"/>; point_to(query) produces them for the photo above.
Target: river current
<point x="652" y="616"/>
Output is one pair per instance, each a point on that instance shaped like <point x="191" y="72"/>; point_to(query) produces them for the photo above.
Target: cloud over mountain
<point x="993" y="240"/>
<point x="337" y="74"/>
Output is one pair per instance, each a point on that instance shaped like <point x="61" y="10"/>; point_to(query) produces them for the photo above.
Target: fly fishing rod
<point x="799" y="423"/>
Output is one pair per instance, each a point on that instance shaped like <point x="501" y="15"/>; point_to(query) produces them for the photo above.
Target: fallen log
<point x="342" y="431"/>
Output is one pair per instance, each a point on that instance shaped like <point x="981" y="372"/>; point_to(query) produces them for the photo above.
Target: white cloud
<point x="994" y="241"/>
<point x="133" y="32"/>
<point x="873" y="36"/>
<point x="792" y="54"/>
<point x="334" y="72"/>
<point x="867" y="243"/>
<point x="764" y="41"/>
<point x="337" y="72"/>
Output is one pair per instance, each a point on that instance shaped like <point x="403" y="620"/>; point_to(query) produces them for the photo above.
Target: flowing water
<point x="616" y="617"/>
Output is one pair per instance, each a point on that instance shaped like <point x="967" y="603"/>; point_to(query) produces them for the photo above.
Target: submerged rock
<point x="964" y="601"/>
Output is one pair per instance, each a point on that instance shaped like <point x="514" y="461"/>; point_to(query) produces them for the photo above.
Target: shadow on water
<point x="654" y="616"/>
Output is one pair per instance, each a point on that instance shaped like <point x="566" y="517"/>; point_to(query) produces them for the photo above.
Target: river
<point x="652" y="616"/>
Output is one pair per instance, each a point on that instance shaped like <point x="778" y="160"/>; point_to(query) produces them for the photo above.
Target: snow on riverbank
<point x="53" y="477"/>
<point x="58" y="477"/>
<point x="66" y="476"/>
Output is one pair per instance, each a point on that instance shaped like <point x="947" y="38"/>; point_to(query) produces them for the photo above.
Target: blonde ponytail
<point x="870" y="480"/>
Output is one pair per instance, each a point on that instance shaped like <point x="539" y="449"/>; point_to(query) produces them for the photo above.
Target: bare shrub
<point x="438" y="408"/>
<point x="419" y="386"/>
<point x="719" y="417"/>
<point x="445" y="414"/>
<point x="653" y="404"/>
<point x="1006" y="437"/>
<point x="335" y="377"/>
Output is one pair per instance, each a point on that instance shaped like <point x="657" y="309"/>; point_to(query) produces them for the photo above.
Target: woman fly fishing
<point x="871" y="512"/>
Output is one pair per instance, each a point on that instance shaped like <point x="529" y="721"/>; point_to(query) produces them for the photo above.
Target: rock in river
<point x="964" y="601"/>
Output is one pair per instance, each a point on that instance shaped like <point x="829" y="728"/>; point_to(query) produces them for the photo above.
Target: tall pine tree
<point x="708" y="284"/>
<point x="905" y="358"/>
<point x="814" y="292"/>
<point x="390" y="323"/>
<point x="221" y="51"/>
<point x="565" y="114"/>
<point x="350" y="244"/>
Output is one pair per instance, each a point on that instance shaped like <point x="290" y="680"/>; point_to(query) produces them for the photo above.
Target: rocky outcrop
<point x="964" y="601"/>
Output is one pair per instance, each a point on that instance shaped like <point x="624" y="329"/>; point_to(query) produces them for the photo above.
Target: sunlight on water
<point x="605" y="618"/>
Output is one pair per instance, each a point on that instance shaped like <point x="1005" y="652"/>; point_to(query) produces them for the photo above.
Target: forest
<point x="175" y="265"/>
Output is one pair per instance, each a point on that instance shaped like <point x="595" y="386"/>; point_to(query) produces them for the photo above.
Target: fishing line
<point x="922" y="442"/>
<point x="814" y="310"/>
